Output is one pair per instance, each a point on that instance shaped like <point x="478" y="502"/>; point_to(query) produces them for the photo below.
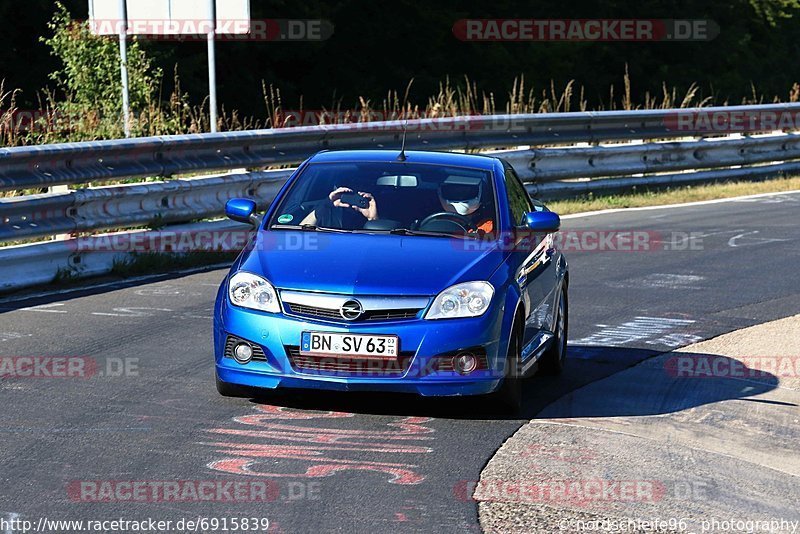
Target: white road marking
<point x="734" y="241"/>
<point x="652" y="330"/>
<point x="166" y="291"/>
<point x="777" y="199"/>
<point x="132" y="312"/>
<point x="45" y="308"/>
<point x="676" y="340"/>
<point x="6" y="336"/>
<point x="158" y="291"/>
<point x="191" y="315"/>
<point x="691" y="240"/>
<point x="661" y="281"/>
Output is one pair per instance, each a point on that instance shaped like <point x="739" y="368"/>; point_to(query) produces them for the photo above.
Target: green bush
<point x="89" y="82"/>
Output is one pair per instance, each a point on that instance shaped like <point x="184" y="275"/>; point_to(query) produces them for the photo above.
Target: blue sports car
<point x="419" y="272"/>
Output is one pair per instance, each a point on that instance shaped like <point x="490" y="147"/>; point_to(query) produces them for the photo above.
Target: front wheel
<point x="554" y="360"/>
<point x="508" y="398"/>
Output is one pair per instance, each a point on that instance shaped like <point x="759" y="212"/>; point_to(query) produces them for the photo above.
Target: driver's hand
<point x="371" y="211"/>
<point x="336" y="197"/>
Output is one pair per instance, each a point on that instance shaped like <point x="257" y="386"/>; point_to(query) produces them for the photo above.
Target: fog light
<point x="242" y="353"/>
<point x="465" y="363"/>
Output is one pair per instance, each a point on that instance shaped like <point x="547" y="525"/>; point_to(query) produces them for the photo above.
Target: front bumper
<point x="420" y="341"/>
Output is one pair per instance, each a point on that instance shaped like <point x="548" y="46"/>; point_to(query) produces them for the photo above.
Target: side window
<point x="518" y="200"/>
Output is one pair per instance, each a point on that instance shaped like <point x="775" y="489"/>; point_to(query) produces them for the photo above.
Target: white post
<point x="123" y="53"/>
<point x="212" y="66"/>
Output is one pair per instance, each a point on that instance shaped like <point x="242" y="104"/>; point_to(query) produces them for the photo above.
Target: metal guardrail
<point x="133" y="205"/>
<point x="31" y="265"/>
<point x="666" y="151"/>
<point x="77" y="163"/>
<point x="549" y="164"/>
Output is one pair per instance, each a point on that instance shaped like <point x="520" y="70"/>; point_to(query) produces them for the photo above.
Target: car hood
<point x="362" y="264"/>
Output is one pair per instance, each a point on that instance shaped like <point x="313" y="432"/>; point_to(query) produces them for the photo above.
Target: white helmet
<point x="461" y="194"/>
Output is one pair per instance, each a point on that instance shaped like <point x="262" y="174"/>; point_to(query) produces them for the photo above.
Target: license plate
<point x="326" y="344"/>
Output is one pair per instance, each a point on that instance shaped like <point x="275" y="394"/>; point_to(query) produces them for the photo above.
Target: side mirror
<point x="545" y="222"/>
<point x="242" y="210"/>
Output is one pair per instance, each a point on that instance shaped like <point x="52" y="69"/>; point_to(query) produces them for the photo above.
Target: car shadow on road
<point x="672" y="382"/>
<point x="659" y="389"/>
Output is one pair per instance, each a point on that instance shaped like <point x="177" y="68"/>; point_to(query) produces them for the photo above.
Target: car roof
<point x="476" y="161"/>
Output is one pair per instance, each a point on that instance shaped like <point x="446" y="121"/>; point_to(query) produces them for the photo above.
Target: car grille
<point x="370" y="315"/>
<point x="232" y="341"/>
<point x="385" y="315"/>
<point x="349" y="365"/>
<point x="324" y="313"/>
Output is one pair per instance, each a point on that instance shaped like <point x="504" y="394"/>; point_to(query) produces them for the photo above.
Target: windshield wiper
<point x="306" y="228"/>
<point x="406" y="231"/>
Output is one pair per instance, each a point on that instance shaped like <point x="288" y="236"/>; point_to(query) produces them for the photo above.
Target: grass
<point x="673" y="196"/>
<point x="65" y="121"/>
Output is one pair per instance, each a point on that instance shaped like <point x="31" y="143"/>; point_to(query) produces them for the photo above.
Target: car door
<point x="536" y="274"/>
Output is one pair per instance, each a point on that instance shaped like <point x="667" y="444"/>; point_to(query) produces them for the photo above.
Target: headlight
<point x="470" y="299"/>
<point x="251" y="291"/>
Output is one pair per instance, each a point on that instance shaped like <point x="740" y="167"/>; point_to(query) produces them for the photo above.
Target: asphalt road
<point x="149" y="412"/>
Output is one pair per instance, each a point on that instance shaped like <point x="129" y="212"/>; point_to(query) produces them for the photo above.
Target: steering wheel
<point x="460" y="220"/>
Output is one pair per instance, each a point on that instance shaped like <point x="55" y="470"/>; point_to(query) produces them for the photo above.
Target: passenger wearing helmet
<point x="462" y="195"/>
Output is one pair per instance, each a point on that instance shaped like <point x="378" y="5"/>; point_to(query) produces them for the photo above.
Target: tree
<point x="772" y="10"/>
<point x="90" y="78"/>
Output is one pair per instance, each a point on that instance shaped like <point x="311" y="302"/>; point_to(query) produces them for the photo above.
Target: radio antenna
<point x="402" y="155"/>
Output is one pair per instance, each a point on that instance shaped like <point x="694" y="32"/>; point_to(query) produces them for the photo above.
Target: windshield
<point x="400" y="197"/>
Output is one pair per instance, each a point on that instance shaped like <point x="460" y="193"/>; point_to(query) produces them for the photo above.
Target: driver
<point x="334" y="212"/>
<point x="462" y="195"/>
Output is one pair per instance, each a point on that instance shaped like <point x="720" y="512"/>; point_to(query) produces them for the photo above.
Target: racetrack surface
<point x="369" y="462"/>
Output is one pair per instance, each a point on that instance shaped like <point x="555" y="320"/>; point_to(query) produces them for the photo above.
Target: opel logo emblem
<point x="351" y="310"/>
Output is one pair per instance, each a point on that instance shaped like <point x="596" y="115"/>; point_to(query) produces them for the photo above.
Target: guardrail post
<point x="123" y="53"/>
<point x="212" y="66"/>
<point x="59" y="189"/>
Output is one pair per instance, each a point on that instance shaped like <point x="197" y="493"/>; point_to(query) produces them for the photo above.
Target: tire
<point x="554" y="360"/>
<point x="226" y="389"/>
<point x="508" y="399"/>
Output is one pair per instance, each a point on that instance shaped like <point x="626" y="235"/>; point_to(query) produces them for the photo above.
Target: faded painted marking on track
<point x="750" y="238"/>
<point x="661" y="281"/>
<point x="650" y="330"/>
<point x="7" y="336"/>
<point x="45" y="308"/>
<point x="271" y="434"/>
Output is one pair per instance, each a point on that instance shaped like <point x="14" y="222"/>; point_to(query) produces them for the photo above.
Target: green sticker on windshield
<point x="283" y="219"/>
